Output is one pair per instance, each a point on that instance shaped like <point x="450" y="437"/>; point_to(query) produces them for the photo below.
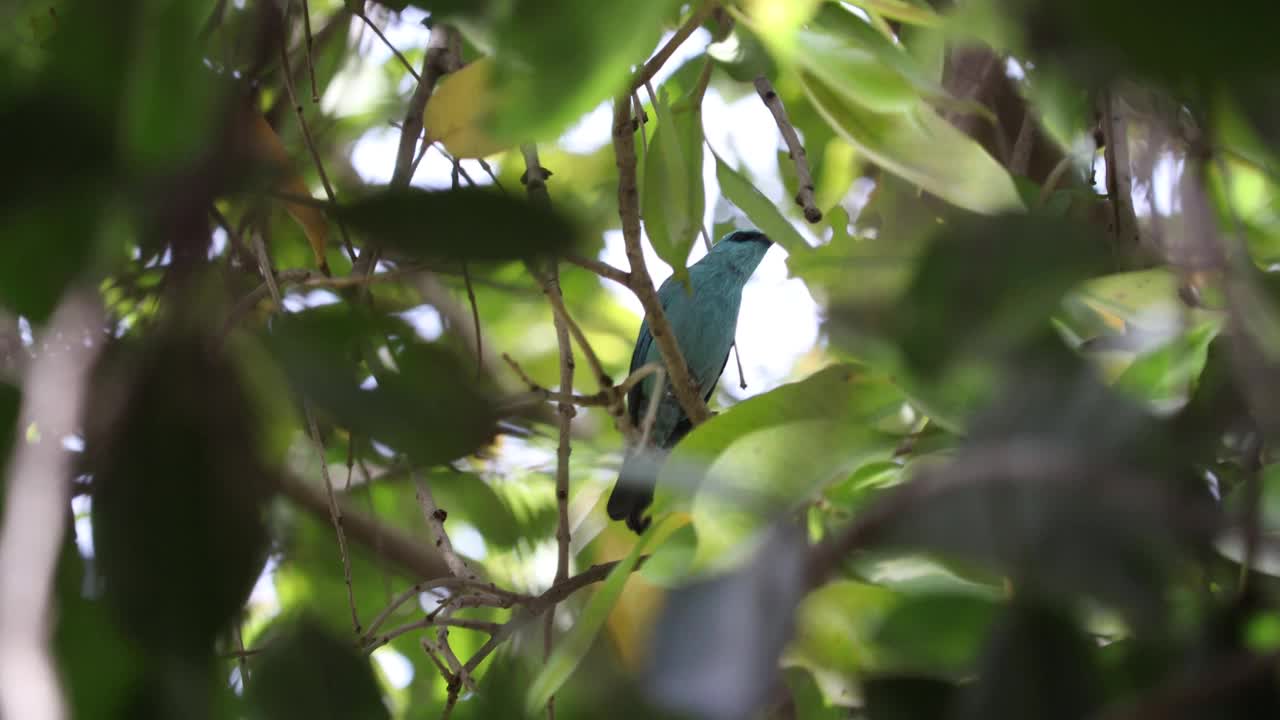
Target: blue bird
<point x="704" y="323"/>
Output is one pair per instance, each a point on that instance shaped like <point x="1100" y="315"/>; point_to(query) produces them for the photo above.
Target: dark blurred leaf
<point x="907" y="697"/>
<point x="807" y="700"/>
<point x="557" y="59"/>
<point x="936" y="634"/>
<point x="717" y="642"/>
<point x="304" y="672"/>
<point x="1037" y="664"/>
<point x="465" y="224"/>
<point x="427" y="407"/>
<point x="98" y="667"/>
<point x="51" y="199"/>
<point x="987" y="284"/>
<point x="160" y="132"/>
<point x="179" y="491"/>
<point x="1067" y="488"/>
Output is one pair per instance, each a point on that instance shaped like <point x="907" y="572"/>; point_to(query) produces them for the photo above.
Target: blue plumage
<point x="704" y="323"/>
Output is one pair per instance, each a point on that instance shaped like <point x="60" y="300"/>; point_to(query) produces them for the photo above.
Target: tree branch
<point x="804" y="196"/>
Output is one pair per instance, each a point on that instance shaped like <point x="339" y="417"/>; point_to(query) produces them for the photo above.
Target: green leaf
<point x="558" y="59"/>
<point x="773" y="450"/>
<point x="571" y="648"/>
<point x="674" y="199"/>
<point x="1166" y="375"/>
<point x="861" y="65"/>
<point x="762" y="213"/>
<point x="306" y="672"/>
<point x="921" y="147"/>
<point x="464" y="224"/>
<point x="836" y="624"/>
<point x="936" y="633"/>
<point x="908" y="12"/>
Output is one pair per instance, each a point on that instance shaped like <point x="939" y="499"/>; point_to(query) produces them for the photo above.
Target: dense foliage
<point x="314" y="343"/>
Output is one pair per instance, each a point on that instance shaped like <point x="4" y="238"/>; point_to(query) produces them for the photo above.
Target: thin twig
<point x="660" y="58"/>
<point x="394" y="50"/>
<point x="464" y="623"/>
<point x="682" y="383"/>
<point x="742" y="377"/>
<point x="603" y="269"/>
<point x="242" y="656"/>
<point x="535" y="182"/>
<point x="315" y="153"/>
<point x="604" y="398"/>
<point x="335" y="512"/>
<point x="471" y="293"/>
<point x="804" y="196"/>
<point x="311" y="67"/>
<point x="503" y="598"/>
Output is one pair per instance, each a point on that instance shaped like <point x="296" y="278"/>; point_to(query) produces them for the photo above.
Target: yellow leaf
<point x="459" y="110"/>
<point x="268" y="148"/>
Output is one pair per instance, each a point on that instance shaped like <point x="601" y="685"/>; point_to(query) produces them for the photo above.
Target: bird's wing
<point x="636" y="397"/>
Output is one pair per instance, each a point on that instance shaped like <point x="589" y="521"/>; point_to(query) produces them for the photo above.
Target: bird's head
<point x="742" y="250"/>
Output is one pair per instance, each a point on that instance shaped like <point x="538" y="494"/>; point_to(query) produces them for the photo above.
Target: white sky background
<point x="779" y="320"/>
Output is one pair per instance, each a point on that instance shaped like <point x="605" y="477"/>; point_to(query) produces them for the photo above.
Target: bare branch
<point x="804" y="197"/>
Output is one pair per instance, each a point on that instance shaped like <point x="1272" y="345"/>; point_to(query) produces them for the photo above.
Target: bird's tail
<point x="633" y="492"/>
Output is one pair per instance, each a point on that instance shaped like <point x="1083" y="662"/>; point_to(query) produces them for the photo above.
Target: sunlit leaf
<point x="914" y="13"/>
<point x="836" y="624"/>
<point x="459" y="110"/>
<point x="921" y="147"/>
<point x="762" y="455"/>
